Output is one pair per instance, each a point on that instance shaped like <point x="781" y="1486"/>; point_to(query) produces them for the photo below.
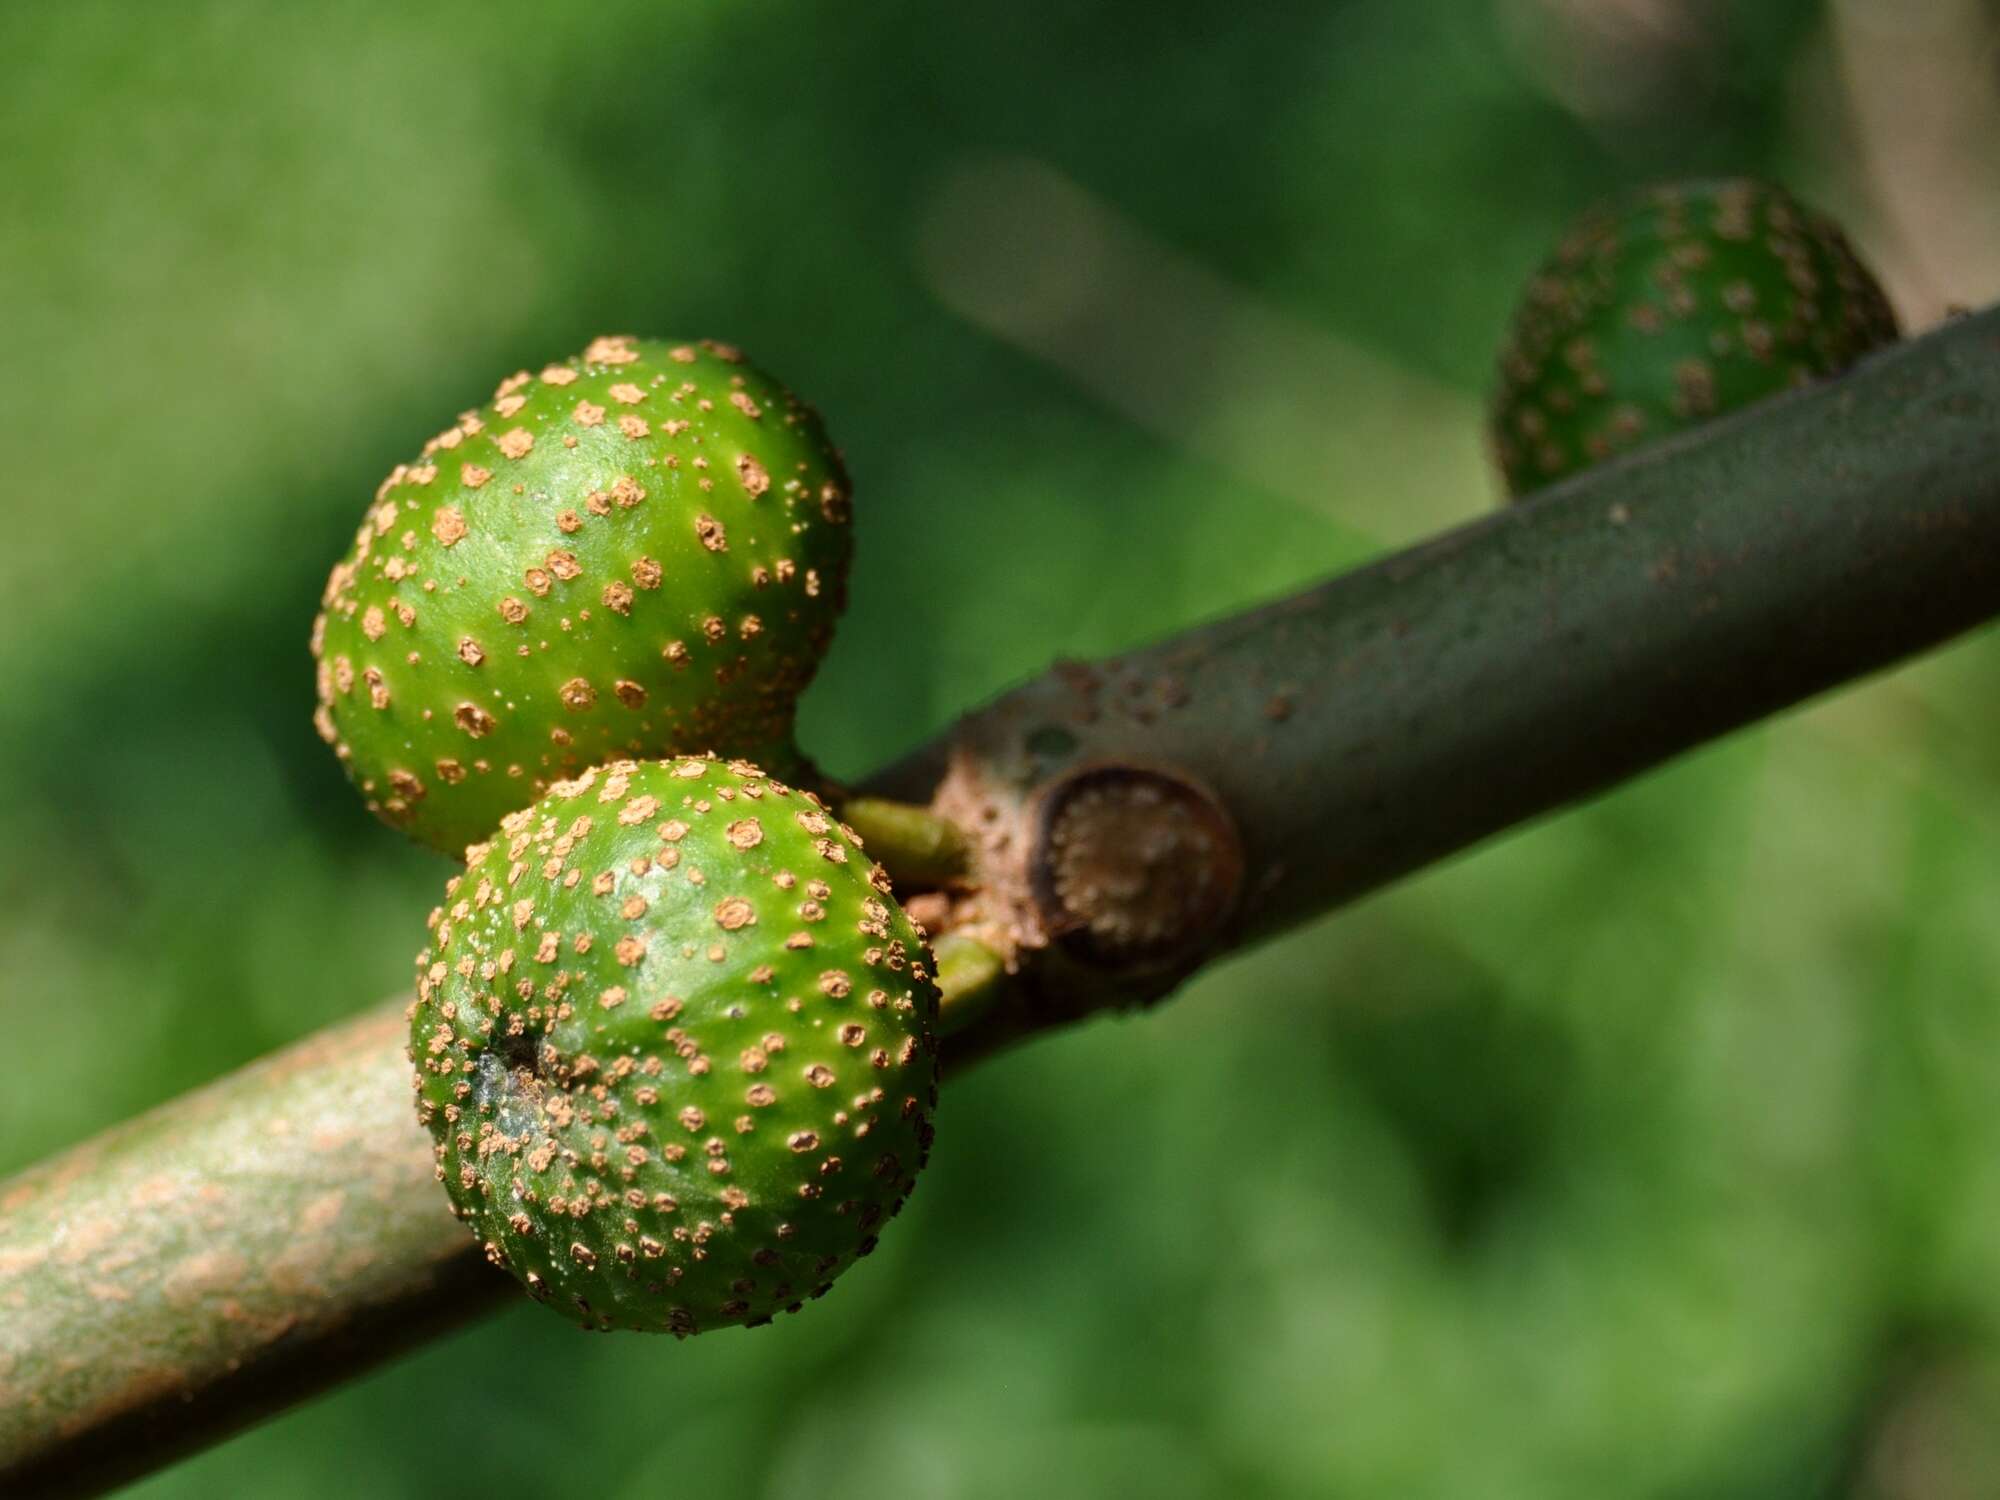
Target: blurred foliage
<point x="1649" y="1153"/>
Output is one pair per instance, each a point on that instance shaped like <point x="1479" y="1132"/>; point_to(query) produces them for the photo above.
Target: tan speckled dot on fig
<point x="639" y="551"/>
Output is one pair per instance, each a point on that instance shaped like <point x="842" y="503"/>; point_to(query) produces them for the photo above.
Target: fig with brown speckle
<point x="673" y="1039"/>
<point x="639" y="551"/>
<point x="1670" y="307"/>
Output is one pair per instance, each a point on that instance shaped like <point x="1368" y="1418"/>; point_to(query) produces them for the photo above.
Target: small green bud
<point x="639" y="551"/>
<point x="1669" y="307"/>
<point x="673" y="1038"/>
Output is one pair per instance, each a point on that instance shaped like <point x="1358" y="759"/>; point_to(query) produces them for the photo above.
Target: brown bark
<point x="218" y="1259"/>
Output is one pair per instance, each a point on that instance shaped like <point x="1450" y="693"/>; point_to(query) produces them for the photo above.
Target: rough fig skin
<point x="639" y="551"/>
<point x="673" y="1038"/>
<point x="1667" y="308"/>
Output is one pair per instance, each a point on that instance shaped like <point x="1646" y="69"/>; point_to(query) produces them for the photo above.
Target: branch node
<point x="1134" y="868"/>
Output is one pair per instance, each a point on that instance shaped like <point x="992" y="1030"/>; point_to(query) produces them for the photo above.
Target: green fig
<point x="673" y="1038"/>
<point x="1669" y="307"/>
<point x="639" y="551"/>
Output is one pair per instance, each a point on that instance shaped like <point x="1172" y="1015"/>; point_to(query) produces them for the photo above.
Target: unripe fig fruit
<point x="1669" y="307"/>
<point x="639" y="551"/>
<point x="673" y="1038"/>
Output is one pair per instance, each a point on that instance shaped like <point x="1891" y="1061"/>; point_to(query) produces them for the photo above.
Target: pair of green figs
<point x="673" y="1034"/>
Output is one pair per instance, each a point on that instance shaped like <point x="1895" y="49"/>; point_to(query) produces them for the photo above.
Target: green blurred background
<point x="1652" y="1152"/>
